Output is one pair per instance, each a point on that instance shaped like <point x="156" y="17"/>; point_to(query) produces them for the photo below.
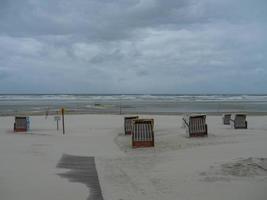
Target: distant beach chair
<point x="226" y="118"/>
<point x="196" y="125"/>
<point x="143" y="133"/>
<point x="238" y="121"/>
<point x="22" y="124"/>
<point x="128" y="124"/>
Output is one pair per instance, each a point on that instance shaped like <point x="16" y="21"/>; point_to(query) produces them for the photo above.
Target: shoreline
<point x="133" y="104"/>
<point x="52" y="113"/>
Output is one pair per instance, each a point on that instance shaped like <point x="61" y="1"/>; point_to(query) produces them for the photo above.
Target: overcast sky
<point x="133" y="46"/>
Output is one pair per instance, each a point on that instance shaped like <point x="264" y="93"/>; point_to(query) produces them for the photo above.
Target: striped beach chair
<point x="21" y="124"/>
<point x="226" y="118"/>
<point x="238" y="121"/>
<point x="128" y="124"/>
<point x="143" y="133"/>
<point x="196" y="125"/>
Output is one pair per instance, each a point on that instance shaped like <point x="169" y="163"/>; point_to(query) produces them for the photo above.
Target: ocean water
<point x="115" y="103"/>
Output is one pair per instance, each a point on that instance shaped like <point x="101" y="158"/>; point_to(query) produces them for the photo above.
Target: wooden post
<point x="63" y="123"/>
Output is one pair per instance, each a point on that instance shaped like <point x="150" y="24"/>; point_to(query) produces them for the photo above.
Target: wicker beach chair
<point x="143" y="133"/>
<point x="21" y="124"/>
<point x="238" y="121"/>
<point x="128" y="124"/>
<point x="196" y="125"/>
<point x="226" y="118"/>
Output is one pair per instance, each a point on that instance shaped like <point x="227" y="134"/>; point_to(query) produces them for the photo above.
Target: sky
<point x="133" y="46"/>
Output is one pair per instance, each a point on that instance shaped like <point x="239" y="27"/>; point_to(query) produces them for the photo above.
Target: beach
<point x="228" y="164"/>
<point x="128" y="100"/>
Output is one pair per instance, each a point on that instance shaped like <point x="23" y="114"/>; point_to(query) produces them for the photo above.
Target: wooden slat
<point x="148" y="135"/>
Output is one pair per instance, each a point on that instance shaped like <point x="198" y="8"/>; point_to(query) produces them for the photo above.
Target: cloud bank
<point x="133" y="46"/>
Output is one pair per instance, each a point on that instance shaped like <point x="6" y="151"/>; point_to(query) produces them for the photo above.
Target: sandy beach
<point x="228" y="164"/>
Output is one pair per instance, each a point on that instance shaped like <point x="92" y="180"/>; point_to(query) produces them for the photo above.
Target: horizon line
<point x="133" y="93"/>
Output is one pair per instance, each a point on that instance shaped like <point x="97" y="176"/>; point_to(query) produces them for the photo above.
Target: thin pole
<point x="63" y="121"/>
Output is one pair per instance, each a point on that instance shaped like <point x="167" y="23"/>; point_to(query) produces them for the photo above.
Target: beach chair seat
<point x="238" y="121"/>
<point x="196" y="125"/>
<point x="143" y="133"/>
<point x="21" y="124"/>
<point x="128" y="124"/>
<point x="226" y="118"/>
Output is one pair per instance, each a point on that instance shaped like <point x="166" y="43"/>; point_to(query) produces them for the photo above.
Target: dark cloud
<point x="133" y="46"/>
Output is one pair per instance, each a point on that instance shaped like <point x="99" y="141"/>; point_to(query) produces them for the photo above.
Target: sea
<point x="38" y="104"/>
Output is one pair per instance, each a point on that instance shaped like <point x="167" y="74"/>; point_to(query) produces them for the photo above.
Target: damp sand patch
<point x="82" y="169"/>
<point x="242" y="168"/>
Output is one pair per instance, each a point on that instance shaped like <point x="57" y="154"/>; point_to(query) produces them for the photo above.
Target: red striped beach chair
<point x="196" y="125"/>
<point x="143" y="133"/>
<point x="128" y="124"/>
<point x="21" y="124"/>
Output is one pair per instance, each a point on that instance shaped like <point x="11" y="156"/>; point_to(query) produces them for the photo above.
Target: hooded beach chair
<point x="238" y="121"/>
<point x="21" y="124"/>
<point x="128" y="124"/>
<point x="196" y="125"/>
<point x="226" y="118"/>
<point x="143" y="133"/>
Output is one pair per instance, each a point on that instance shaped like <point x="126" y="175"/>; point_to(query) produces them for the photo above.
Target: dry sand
<point x="229" y="164"/>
